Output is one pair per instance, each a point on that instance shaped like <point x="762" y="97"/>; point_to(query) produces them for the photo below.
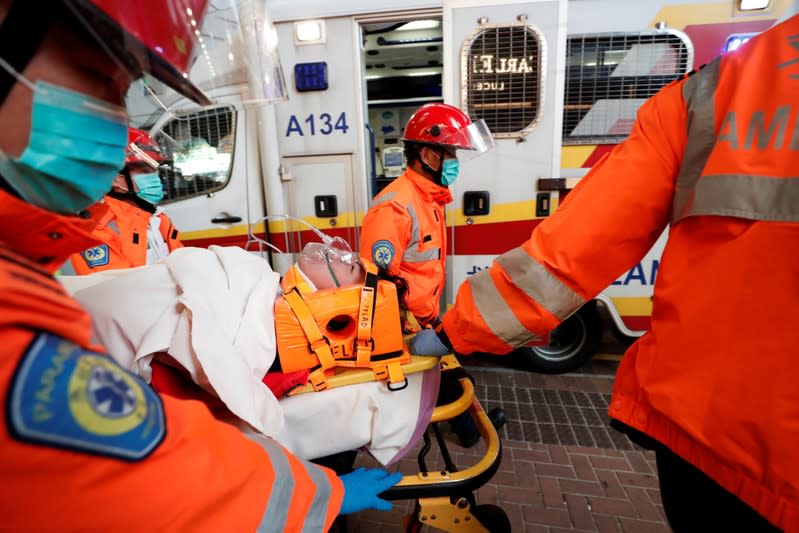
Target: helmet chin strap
<point x="19" y="47"/>
<point x="436" y="174"/>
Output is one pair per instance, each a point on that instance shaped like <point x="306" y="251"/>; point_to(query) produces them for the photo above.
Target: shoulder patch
<point x="67" y="397"/>
<point x="382" y="253"/>
<point x="97" y="256"/>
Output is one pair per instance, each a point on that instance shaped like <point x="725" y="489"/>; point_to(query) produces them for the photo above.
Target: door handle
<point x="225" y="220"/>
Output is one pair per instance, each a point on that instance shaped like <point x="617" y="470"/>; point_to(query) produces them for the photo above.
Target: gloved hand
<point x="427" y="342"/>
<point x="362" y="486"/>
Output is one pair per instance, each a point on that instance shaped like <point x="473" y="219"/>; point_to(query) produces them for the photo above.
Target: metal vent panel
<point x="502" y="78"/>
<point x="199" y="147"/>
<point x="610" y="75"/>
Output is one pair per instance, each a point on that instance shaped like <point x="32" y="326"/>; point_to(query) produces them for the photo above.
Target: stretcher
<point x="444" y="499"/>
<point x="207" y="310"/>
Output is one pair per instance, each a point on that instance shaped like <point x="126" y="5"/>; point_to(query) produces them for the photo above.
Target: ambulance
<point x="557" y="81"/>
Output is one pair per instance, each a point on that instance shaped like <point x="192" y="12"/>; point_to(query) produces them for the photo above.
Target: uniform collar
<point x="122" y="209"/>
<point x="46" y="238"/>
<point x="432" y="192"/>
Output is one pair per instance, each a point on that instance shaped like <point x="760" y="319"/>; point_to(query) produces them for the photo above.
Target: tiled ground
<point x="563" y="469"/>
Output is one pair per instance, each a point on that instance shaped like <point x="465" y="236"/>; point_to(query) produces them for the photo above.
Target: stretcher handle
<point x="434" y="484"/>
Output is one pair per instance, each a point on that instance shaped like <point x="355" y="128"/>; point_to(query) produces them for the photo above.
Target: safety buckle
<point x="381" y="372"/>
<point x="324" y="352"/>
<point x="338" y="351"/>
<point x="393" y="374"/>
<point x="318" y="380"/>
<point x="363" y="350"/>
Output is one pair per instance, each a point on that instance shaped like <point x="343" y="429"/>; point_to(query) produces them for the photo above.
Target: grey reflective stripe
<point x="412" y="253"/>
<point x="699" y="94"/>
<point x="113" y="226"/>
<point x="315" y="519"/>
<point x="495" y="312"/>
<point x="383" y="198"/>
<point x="531" y="277"/>
<point x="277" y="508"/>
<point x="750" y="197"/>
<point x="67" y="269"/>
<point x="415" y="256"/>
<point x="414" y="227"/>
<point x="539" y="284"/>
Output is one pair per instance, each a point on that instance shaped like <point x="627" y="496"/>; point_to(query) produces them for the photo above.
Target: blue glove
<point x="362" y="486"/>
<point x="427" y="342"/>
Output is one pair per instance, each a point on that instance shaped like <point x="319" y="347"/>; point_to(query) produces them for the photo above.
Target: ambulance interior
<point x="402" y="68"/>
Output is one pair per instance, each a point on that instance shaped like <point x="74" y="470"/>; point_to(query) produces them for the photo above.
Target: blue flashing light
<point x="310" y="76"/>
<point x="734" y="41"/>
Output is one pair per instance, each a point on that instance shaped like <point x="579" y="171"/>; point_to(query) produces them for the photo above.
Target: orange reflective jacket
<point x="123" y="236"/>
<point x="715" y="379"/>
<point x="404" y="232"/>
<point x="88" y="446"/>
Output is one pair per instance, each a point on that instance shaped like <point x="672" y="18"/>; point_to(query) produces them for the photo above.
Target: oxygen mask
<point x="320" y="265"/>
<point x="330" y="264"/>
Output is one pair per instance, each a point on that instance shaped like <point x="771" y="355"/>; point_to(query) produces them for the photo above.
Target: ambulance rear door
<point x="503" y="63"/>
<point x="320" y="131"/>
<point x="212" y="188"/>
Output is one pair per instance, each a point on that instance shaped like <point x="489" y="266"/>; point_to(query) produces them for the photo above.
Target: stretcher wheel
<point x="492" y="517"/>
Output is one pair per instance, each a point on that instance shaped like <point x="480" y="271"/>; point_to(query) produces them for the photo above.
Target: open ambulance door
<point x="504" y="63"/>
<point x="211" y="187"/>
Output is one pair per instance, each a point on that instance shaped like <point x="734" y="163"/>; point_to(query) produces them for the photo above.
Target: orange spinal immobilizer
<point x="351" y="327"/>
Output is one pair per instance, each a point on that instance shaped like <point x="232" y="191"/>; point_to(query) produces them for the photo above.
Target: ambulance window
<point x="199" y="151"/>
<point x="502" y="79"/>
<point x="610" y="75"/>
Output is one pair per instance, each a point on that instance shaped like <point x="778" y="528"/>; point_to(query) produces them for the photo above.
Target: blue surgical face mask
<point x="150" y="188"/>
<point x="76" y="147"/>
<point x="449" y="171"/>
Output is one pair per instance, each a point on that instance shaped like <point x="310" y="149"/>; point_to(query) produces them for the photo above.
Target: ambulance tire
<point x="625" y="340"/>
<point x="492" y="517"/>
<point x="572" y="344"/>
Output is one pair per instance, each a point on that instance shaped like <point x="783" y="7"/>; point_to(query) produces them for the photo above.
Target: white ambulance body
<point x="557" y="81"/>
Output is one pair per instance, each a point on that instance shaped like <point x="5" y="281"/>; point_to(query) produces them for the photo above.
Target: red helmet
<point x="448" y="126"/>
<point x="154" y="36"/>
<point x="143" y="150"/>
<point x="432" y="123"/>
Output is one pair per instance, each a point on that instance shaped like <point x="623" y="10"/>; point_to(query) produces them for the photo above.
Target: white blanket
<point x="212" y="312"/>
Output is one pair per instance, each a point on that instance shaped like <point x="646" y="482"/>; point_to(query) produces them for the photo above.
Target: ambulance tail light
<point x="753" y="5"/>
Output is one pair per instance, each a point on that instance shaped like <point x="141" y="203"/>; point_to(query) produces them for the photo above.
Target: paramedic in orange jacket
<point x="404" y="230"/>
<point x="133" y="233"/>
<point x="86" y="446"/>
<point x="713" y="383"/>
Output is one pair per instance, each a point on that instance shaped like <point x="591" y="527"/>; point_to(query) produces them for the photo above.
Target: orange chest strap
<point x="366" y="314"/>
<point x="318" y="342"/>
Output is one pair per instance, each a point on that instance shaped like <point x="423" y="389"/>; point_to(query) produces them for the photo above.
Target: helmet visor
<point x="471" y="141"/>
<point x="190" y="46"/>
<point x="139" y="157"/>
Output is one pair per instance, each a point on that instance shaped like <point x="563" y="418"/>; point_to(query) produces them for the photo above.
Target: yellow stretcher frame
<point x="444" y="498"/>
<point x="354" y="376"/>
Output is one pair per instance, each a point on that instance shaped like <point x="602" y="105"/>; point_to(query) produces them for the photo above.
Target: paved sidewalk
<point x="563" y="469"/>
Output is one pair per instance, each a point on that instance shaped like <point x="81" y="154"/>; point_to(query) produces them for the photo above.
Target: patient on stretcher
<point x="193" y="325"/>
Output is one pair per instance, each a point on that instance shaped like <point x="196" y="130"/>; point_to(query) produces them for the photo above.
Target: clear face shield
<point x="235" y="43"/>
<point x="472" y="141"/>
